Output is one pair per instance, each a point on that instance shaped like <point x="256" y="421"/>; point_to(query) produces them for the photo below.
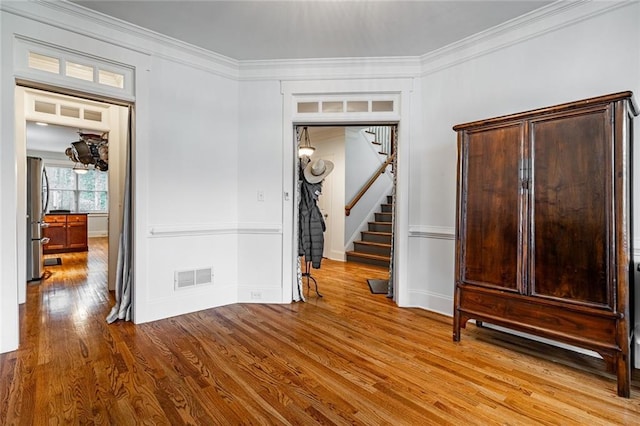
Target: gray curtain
<point x="124" y="275"/>
<point x="391" y="293"/>
<point x="297" y="295"/>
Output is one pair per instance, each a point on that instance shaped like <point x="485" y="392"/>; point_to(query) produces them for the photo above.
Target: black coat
<point x="311" y="224"/>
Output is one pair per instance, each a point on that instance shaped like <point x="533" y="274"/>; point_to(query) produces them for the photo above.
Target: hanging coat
<point x="311" y="226"/>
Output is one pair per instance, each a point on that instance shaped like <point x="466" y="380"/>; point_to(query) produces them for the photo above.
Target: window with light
<point x="79" y="193"/>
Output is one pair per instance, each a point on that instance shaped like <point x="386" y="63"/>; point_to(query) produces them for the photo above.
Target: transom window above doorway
<point x="347" y="105"/>
<point x="34" y="58"/>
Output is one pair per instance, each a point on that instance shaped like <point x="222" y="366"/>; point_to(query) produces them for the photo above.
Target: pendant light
<point x="305" y="148"/>
<point x="81" y="170"/>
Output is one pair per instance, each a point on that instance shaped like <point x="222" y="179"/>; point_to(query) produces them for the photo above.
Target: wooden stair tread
<point x="369" y="256"/>
<point x="372" y="243"/>
<point x="376" y="244"/>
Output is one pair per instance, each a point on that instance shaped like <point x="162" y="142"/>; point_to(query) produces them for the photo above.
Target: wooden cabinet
<point x="66" y="233"/>
<point x="543" y="227"/>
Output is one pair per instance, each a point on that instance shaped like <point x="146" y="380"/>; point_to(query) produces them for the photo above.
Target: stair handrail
<point x="365" y="188"/>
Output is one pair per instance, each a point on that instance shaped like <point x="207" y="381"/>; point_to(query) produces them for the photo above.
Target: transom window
<point x="79" y="193"/>
<point x="35" y="60"/>
<point x="338" y="104"/>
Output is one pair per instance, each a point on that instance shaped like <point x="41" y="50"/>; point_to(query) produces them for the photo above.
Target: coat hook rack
<point x="307" y="273"/>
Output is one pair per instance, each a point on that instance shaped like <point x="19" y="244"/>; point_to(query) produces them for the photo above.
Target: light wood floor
<point x="350" y="357"/>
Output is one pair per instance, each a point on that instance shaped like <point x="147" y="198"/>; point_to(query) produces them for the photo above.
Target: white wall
<point x="190" y="190"/>
<point x="260" y="168"/>
<point x="586" y="58"/>
<point x="8" y="190"/>
<point x="329" y="143"/>
<point x="97" y="225"/>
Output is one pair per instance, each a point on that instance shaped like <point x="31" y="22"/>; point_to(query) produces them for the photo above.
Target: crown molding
<point x="549" y="18"/>
<point x="331" y="68"/>
<point x="88" y="23"/>
<point x="82" y="21"/>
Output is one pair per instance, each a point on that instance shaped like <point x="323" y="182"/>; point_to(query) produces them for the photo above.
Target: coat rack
<point x="312" y="225"/>
<point x="307" y="273"/>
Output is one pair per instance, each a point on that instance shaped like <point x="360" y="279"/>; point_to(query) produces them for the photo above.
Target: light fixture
<point x="81" y="169"/>
<point x="305" y="148"/>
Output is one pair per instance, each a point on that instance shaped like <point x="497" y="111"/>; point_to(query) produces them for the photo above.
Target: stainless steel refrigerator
<point x="37" y="201"/>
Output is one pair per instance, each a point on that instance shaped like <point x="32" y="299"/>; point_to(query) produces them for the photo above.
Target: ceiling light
<point x="81" y="169"/>
<point x="305" y="148"/>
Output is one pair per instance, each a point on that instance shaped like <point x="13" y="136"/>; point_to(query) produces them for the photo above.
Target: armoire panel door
<point x="572" y="207"/>
<point x="491" y="200"/>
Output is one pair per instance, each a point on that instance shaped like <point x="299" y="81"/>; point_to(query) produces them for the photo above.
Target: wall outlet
<point x="256" y="295"/>
<point x="260" y="195"/>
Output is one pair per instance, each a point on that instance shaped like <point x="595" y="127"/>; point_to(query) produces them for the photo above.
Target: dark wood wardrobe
<point x="544" y="226"/>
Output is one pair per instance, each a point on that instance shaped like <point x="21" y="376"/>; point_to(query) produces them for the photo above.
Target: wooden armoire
<point x="544" y="226"/>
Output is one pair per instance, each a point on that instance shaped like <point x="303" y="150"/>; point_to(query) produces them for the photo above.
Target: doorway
<point x="61" y="117"/>
<point x="362" y="180"/>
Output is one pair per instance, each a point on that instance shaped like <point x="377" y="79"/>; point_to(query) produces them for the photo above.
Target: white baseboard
<point x="337" y="255"/>
<point x="253" y="294"/>
<point x="431" y="302"/>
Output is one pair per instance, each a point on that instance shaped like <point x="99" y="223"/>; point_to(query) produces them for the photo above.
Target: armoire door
<point x="491" y="197"/>
<point x="572" y="207"/>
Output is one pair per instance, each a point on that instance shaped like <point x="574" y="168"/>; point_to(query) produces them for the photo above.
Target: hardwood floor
<point x="350" y="357"/>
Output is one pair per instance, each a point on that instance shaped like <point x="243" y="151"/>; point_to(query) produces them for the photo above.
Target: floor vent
<point x="192" y="277"/>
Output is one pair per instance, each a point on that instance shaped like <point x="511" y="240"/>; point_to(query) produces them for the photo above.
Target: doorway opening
<point x="48" y="123"/>
<point x="356" y="200"/>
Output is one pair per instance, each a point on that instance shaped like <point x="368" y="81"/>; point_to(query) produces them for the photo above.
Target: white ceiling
<point x="266" y="30"/>
<point x="51" y="137"/>
<point x="299" y="29"/>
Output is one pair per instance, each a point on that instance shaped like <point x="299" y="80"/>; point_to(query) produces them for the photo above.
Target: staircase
<point x="375" y="246"/>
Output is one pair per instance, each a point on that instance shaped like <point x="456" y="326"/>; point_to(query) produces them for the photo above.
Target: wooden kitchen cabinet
<point x="544" y="223"/>
<point x="66" y="233"/>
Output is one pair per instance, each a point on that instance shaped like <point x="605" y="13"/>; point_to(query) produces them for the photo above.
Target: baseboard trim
<point x="96" y="234"/>
<point x="430" y="301"/>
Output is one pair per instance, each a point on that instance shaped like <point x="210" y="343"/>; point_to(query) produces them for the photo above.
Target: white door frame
<point x="60" y="42"/>
<point x="399" y="91"/>
<point x="114" y="121"/>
